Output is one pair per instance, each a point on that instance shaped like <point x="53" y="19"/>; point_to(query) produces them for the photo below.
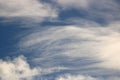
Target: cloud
<point x="17" y="69"/>
<point x="33" y="11"/>
<point x="109" y="51"/>
<point x="74" y="3"/>
<point x="92" y="41"/>
<point x="87" y="4"/>
<point x="113" y="78"/>
<point x="75" y="77"/>
<point x="57" y="37"/>
<point x="25" y="8"/>
<point x="85" y="47"/>
<point x="105" y="10"/>
<point x="20" y="69"/>
<point x="102" y="11"/>
<point x="85" y="77"/>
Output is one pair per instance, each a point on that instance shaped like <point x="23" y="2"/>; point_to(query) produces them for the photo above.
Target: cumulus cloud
<point x="25" y="8"/>
<point x="17" y="69"/>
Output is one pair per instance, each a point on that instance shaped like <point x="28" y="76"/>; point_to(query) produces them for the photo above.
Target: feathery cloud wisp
<point x="98" y="43"/>
<point x="75" y="77"/>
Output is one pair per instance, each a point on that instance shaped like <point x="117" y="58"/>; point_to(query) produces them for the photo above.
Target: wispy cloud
<point x="96" y="43"/>
<point x="84" y="47"/>
<point x="93" y="9"/>
<point x="84" y="77"/>
<point x="74" y="3"/>
<point x="75" y="77"/>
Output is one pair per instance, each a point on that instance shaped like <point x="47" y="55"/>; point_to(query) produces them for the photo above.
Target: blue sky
<point x="59" y="40"/>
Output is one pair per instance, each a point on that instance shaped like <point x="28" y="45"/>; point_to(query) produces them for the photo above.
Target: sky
<point x="59" y="40"/>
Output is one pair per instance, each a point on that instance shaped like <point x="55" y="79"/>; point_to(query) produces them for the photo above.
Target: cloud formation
<point x="93" y="9"/>
<point x="93" y="41"/>
<point x="85" y="47"/>
<point x="25" y="8"/>
<point x="20" y="69"/>
<point x="17" y="69"/>
<point x="74" y="3"/>
<point x="75" y="77"/>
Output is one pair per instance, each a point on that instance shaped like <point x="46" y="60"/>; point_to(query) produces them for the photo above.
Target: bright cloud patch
<point x="75" y="77"/>
<point x="17" y="69"/>
<point x="25" y="8"/>
<point x="83" y="77"/>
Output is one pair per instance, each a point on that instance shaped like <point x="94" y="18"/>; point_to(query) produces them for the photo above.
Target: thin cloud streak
<point x="87" y="49"/>
<point x="75" y="77"/>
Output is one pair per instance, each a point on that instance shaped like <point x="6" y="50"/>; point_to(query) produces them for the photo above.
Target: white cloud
<point x="25" y="8"/>
<point x="91" y="41"/>
<point x="109" y="51"/>
<point x="56" y="36"/>
<point x="75" y="77"/>
<point x="85" y="77"/>
<point x="17" y="69"/>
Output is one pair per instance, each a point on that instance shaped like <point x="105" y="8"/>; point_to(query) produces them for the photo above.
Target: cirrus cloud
<point x="95" y="42"/>
<point x="75" y="77"/>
